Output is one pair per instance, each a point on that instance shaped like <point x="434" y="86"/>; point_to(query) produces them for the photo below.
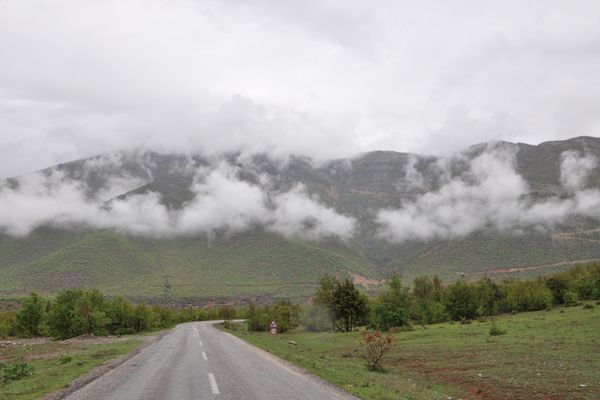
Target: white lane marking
<point x="200" y="343"/>
<point x="204" y="356"/>
<point x="213" y="383"/>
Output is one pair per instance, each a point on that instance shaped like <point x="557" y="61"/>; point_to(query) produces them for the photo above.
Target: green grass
<point x="57" y="364"/>
<point x="543" y="355"/>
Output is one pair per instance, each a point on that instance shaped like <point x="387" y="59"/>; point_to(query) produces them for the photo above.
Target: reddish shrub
<point x="376" y="346"/>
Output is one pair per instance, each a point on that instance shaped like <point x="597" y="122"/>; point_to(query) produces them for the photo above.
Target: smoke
<point x="492" y="195"/>
<point x="221" y="202"/>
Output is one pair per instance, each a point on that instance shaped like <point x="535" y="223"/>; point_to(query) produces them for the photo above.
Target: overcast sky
<point x="321" y="78"/>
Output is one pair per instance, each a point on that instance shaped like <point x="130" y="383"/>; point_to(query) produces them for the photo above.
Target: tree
<point x="349" y="305"/>
<point x="325" y="297"/>
<point x="143" y="318"/>
<point x="30" y="317"/>
<point x="392" y="307"/>
<point x="76" y="312"/>
<point x="120" y="313"/>
<point x="61" y="320"/>
<point x="90" y="314"/>
<point x="462" y="300"/>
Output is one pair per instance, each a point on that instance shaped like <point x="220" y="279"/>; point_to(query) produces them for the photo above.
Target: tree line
<point x="338" y="305"/>
<point x="76" y="312"/>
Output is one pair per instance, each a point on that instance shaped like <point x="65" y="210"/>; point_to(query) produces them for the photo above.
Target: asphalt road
<point x="198" y="361"/>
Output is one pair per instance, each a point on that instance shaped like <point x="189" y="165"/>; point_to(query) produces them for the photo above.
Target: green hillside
<point x="257" y="263"/>
<point x="250" y="264"/>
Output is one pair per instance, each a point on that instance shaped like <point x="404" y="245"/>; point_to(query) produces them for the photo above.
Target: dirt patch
<point x="364" y="281"/>
<point x="479" y="386"/>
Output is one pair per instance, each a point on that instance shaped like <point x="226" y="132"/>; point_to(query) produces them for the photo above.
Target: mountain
<point x="259" y="260"/>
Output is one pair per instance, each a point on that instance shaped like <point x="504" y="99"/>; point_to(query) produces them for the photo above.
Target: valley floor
<point x="544" y="355"/>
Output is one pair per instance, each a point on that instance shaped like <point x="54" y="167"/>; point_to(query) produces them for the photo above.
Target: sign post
<point x="273" y="328"/>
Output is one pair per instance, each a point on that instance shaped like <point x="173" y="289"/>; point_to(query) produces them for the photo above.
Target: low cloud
<point x="222" y="202"/>
<point x="492" y="195"/>
<point x="575" y="169"/>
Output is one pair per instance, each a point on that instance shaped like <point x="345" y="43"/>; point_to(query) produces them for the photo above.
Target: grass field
<point x="544" y="355"/>
<point x="57" y="363"/>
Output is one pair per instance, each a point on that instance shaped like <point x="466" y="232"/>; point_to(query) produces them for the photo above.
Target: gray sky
<point x="321" y="78"/>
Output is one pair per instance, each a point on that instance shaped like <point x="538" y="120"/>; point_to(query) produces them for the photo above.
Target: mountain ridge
<point x="257" y="262"/>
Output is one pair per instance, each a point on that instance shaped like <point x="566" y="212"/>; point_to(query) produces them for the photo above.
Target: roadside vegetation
<point x="30" y="368"/>
<point x="419" y="342"/>
<point x="340" y="306"/>
<point x="545" y="355"/>
<point x="76" y="312"/>
<point x="88" y="329"/>
<point x="518" y="339"/>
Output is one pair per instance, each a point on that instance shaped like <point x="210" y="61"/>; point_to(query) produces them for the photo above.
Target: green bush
<point x="31" y="316"/>
<point x="571" y="298"/>
<point x="528" y="295"/>
<point x="462" y="300"/>
<point x="17" y="370"/>
<point x="495" y="330"/>
<point x="285" y="314"/>
<point x="391" y="308"/>
<point x="315" y="319"/>
<point x="77" y="312"/>
<point x="65" y="359"/>
<point x="430" y="312"/>
<point x="8" y="322"/>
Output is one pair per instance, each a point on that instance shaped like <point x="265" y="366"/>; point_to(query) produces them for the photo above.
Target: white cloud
<point x="492" y="195"/>
<point x="325" y="79"/>
<point x="222" y="202"/>
<point x="575" y="169"/>
<point x="298" y="213"/>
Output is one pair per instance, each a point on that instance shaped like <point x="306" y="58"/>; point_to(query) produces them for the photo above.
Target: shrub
<point x="528" y="295"/>
<point x="227" y="313"/>
<point x="376" y="346"/>
<point x="315" y="319"/>
<point x="7" y="324"/>
<point x="462" y="300"/>
<point x="284" y="313"/>
<point x="431" y="312"/>
<point x="18" y="370"/>
<point x="495" y="330"/>
<point x="571" y="298"/>
<point x="588" y="306"/>
<point x="256" y="318"/>
<point x="65" y="359"/>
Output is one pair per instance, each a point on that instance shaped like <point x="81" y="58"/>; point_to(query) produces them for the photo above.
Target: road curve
<point x="198" y="361"/>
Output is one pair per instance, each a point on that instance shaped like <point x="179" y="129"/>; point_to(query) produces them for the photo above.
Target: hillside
<point x="253" y="262"/>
